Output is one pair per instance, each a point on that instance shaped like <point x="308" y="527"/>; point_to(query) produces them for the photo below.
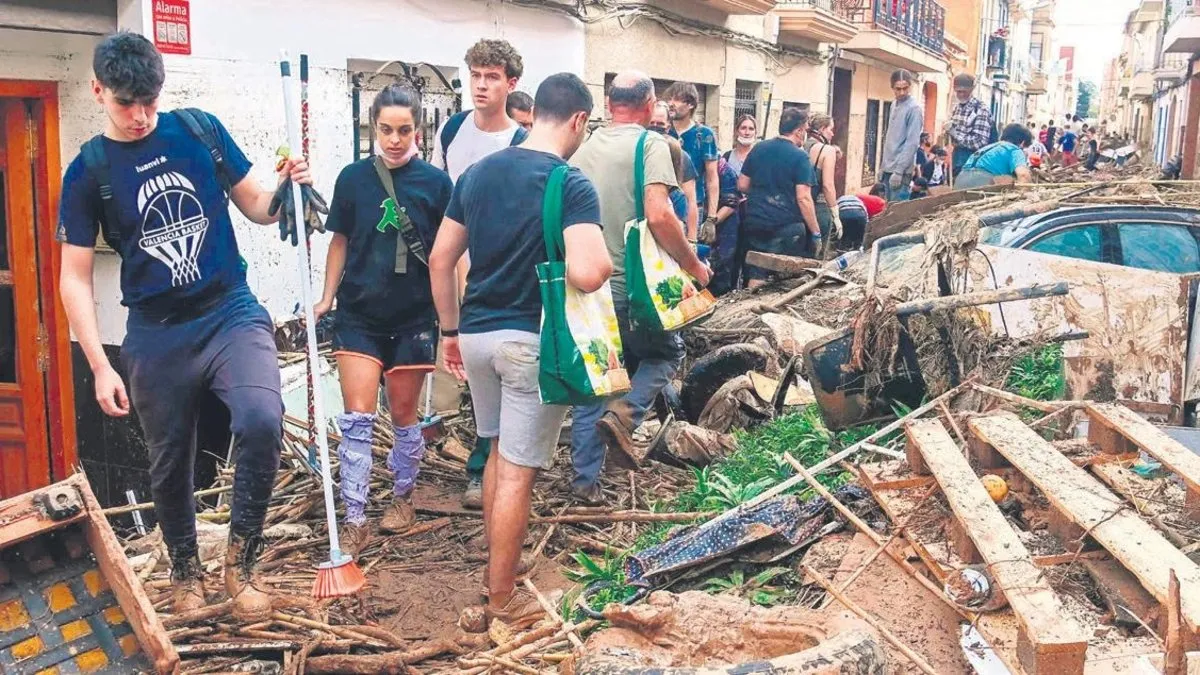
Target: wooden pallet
<point x="1118" y="430"/>
<point x="1094" y="511"/>
<point x="63" y="609"/>
<point x="1049" y="641"/>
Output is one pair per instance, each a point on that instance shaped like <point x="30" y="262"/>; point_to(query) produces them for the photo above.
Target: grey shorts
<point x="502" y="372"/>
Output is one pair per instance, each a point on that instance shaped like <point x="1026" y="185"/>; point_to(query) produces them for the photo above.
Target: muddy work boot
<point x="521" y="611"/>
<point x="472" y="497"/>
<point x="354" y="538"/>
<point x="398" y="516"/>
<point x="616" y="429"/>
<point x="250" y="595"/>
<point x="187" y="584"/>
<point x="588" y="495"/>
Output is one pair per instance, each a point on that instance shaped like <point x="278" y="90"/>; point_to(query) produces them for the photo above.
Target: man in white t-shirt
<point x="466" y="138"/>
<point x="471" y="135"/>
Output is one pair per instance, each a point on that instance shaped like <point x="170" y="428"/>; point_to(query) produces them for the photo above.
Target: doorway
<point x="841" y="123"/>
<point x="37" y="421"/>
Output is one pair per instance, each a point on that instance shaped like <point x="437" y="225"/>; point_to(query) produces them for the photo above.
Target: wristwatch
<point x="449" y="332"/>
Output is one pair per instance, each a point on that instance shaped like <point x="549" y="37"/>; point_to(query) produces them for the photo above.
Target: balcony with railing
<point x="1183" y="27"/>
<point x="906" y="33"/>
<point x="815" y="20"/>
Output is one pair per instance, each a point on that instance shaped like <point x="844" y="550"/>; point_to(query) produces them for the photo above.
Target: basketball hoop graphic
<point x="173" y="225"/>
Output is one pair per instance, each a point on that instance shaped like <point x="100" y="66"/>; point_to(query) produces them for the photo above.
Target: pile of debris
<point x="854" y="340"/>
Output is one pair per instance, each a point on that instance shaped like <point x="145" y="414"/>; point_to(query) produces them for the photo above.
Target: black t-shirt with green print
<point x="371" y="290"/>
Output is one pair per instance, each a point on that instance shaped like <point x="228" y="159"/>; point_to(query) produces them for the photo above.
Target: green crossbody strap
<point x="639" y="176"/>
<point x="552" y="212"/>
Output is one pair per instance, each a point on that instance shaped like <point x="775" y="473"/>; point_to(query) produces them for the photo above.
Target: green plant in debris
<point x="757" y="589"/>
<point x="609" y="570"/>
<point x="1039" y="375"/>
<point x="752" y="469"/>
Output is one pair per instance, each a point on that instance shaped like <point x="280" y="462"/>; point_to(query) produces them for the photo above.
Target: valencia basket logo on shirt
<point x="173" y="225"/>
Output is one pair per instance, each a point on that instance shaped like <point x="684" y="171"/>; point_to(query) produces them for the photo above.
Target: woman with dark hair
<point x="745" y="135"/>
<point x="384" y="217"/>
<point x="1004" y="158"/>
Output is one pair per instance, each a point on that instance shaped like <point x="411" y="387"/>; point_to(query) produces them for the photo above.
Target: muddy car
<point x="1158" y="238"/>
<point x="1132" y="273"/>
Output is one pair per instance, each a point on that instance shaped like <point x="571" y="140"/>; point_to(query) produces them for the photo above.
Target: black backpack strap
<point x="519" y="136"/>
<point x="95" y="160"/>
<point x="201" y="126"/>
<point x="449" y="131"/>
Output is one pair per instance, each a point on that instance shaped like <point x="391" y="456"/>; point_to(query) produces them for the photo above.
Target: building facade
<point x="232" y="71"/>
<point x="746" y="56"/>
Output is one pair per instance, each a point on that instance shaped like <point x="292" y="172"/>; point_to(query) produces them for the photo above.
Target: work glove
<point x="835" y="227"/>
<point x="708" y="230"/>
<point x="894" y="181"/>
<point x="314" y="208"/>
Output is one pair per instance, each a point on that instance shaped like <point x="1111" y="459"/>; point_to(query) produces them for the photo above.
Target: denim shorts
<point x="411" y="349"/>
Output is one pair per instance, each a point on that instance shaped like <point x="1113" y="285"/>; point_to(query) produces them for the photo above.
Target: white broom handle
<point x="292" y="116"/>
<point x="429" y="395"/>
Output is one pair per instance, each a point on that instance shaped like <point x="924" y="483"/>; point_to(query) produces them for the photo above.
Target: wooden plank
<point x="1104" y="515"/>
<point x="110" y="558"/>
<point x="1114" y="426"/>
<point x="1055" y="641"/>
<point x="787" y="265"/>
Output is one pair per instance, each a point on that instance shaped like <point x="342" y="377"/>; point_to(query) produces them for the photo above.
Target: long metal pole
<point x="310" y="323"/>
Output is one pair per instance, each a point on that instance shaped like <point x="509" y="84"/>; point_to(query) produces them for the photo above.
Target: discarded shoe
<point x="243" y="582"/>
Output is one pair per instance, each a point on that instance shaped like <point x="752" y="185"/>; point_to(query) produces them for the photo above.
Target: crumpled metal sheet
<point x="784" y="516"/>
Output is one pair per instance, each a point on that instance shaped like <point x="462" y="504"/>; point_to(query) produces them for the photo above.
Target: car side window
<point x="1160" y="247"/>
<point x="1075" y="242"/>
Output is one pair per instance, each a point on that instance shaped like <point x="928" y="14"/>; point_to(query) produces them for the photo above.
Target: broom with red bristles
<point x="339" y="575"/>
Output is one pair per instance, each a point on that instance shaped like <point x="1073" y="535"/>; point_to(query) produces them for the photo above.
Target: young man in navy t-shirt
<point x="194" y="325"/>
<point x="495" y="214"/>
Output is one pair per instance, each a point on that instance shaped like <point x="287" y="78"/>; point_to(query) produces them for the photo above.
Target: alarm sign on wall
<point x="172" y="26"/>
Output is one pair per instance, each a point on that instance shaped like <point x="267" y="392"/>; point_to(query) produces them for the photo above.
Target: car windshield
<point x="990" y="235"/>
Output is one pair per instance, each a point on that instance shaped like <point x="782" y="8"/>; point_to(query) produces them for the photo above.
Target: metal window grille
<point x="745" y="99"/>
<point x="871" y="141"/>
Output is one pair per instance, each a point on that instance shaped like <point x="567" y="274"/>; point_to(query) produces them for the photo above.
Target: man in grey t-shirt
<point x="903" y="138"/>
<point x="607" y="159"/>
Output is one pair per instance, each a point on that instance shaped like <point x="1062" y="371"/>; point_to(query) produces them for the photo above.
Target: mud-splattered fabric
<point x="404" y="460"/>
<point x="785" y="516"/>
<point x="354" y="452"/>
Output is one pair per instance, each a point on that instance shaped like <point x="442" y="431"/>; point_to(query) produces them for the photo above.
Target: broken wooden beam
<point x="1118" y="430"/>
<point x="789" y="265"/>
<point x="1103" y="515"/>
<point x="1048" y="640"/>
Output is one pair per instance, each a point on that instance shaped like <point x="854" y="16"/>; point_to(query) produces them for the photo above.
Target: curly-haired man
<point x="463" y="140"/>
